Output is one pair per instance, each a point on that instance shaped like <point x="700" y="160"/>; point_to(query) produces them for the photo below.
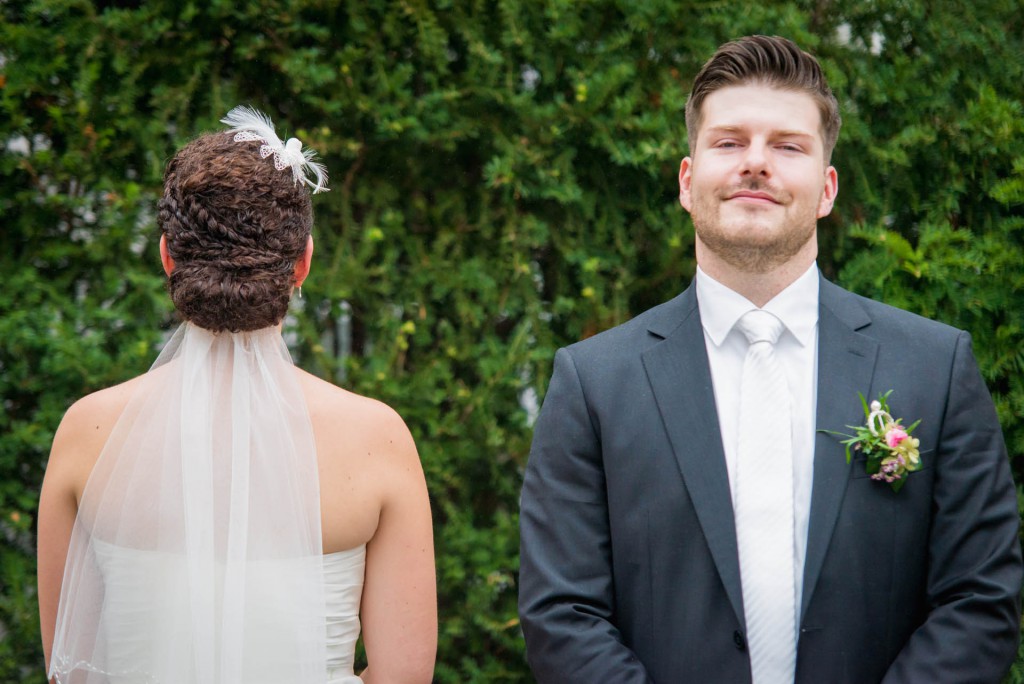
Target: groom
<point x="688" y="514"/>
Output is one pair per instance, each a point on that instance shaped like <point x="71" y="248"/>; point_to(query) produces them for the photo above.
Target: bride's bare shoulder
<point x="85" y="427"/>
<point x="346" y="418"/>
<point x="94" y="414"/>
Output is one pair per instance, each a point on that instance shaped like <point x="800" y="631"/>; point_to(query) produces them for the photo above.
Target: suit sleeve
<point x="974" y="579"/>
<point x="566" y="598"/>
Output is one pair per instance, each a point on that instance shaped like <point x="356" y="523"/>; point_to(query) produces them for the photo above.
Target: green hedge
<point x="504" y="182"/>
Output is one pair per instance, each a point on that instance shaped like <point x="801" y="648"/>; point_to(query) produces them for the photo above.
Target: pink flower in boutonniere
<point x="890" y="450"/>
<point x="895" y="436"/>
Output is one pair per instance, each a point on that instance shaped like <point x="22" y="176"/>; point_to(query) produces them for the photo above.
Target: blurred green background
<point x="503" y="183"/>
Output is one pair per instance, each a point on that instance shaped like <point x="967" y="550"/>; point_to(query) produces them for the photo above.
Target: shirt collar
<point x="796" y="306"/>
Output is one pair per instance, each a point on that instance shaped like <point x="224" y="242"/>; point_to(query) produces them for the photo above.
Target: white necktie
<point x="764" y="504"/>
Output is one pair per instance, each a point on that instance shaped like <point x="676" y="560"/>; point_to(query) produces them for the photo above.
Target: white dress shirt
<point x="797" y="351"/>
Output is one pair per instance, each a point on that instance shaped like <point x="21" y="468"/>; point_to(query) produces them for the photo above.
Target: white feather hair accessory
<point x="250" y="124"/>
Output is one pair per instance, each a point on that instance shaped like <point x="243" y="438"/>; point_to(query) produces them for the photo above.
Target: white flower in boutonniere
<point x="890" y="450"/>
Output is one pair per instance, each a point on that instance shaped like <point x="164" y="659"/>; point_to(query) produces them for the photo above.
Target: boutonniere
<point x="890" y="450"/>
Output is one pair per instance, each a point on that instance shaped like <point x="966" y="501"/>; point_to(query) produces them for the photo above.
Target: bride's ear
<point x="302" y="265"/>
<point x="165" y="256"/>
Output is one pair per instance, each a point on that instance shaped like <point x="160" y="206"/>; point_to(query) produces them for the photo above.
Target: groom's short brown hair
<point x="770" y="61"/>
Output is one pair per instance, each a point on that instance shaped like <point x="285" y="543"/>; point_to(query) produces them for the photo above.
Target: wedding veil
<point x="196" y="556"/>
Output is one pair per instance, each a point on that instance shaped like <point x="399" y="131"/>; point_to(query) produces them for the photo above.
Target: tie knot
<point x="760" y="326"/>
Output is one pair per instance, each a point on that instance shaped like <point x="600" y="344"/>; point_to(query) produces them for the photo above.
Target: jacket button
<point x="737" y="638"/>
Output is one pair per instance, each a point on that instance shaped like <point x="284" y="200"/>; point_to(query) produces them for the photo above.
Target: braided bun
<point x="235" y="227"/>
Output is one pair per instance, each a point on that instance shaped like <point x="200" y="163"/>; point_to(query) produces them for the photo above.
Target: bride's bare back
<point x="372" y="492"/>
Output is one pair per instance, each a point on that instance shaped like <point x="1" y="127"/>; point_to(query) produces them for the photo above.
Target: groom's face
<point x="757" y="180"/>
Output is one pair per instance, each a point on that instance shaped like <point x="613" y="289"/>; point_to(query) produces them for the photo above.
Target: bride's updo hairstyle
<point x="235" y="227"/>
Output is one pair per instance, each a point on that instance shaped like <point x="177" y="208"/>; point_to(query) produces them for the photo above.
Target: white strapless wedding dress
<point x="140" y="584"/>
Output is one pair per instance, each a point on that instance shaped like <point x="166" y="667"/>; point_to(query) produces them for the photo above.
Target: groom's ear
<point x="685" y="176"/>
<point x="828" y="192"/>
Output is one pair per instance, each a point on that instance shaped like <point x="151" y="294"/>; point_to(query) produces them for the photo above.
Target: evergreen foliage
<point x="504" y="183"/>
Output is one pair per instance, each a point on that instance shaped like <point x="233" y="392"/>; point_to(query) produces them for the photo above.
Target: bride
<point x="227" y="517"/>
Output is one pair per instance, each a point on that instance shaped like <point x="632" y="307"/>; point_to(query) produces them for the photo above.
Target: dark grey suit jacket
<point x="629" y="569"/>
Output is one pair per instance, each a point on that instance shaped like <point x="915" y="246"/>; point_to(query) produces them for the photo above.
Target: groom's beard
<point x="753" y="239"/>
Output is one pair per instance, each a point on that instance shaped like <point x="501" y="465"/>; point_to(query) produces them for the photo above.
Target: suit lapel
<point x="680" y="377"/>
<point x="846" y="361"/>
